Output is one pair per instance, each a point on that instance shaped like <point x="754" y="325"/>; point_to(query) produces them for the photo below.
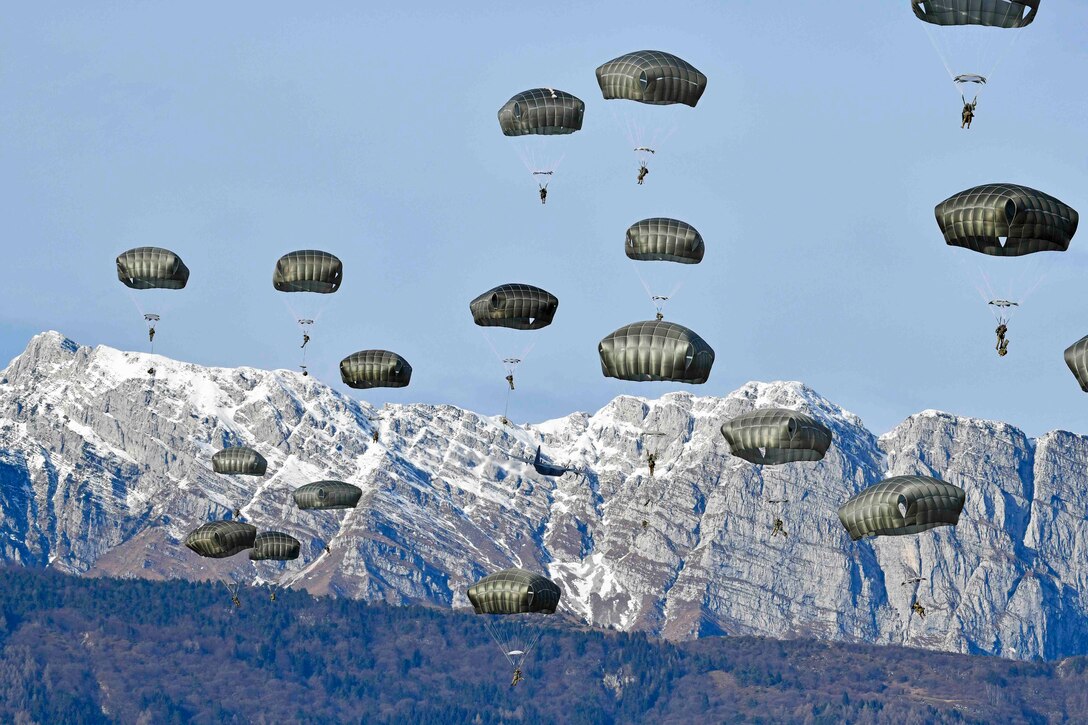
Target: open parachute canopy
<point x="308" y="270"/>
<point x="239" y="460"/>
<point x="541" y="112"/>
<point x="771" y="436"/>
<point x="902" y="505"/>
<point x="656" y="350"/>
<point x="375" y="369"/>
<point x="1006" y="220"/>
<point x="990" y="13"/>
<point x="517" y="306"/>
<point x="651" y="76"/>
<point x="275" y="546"/>
<point x="220" y="539"/>
<point x="663" y="239"/>
<point x="1076" y="357"/>
<point x="514" y="591"/>
<point x="326" y="495"/>
<point x="151" y="268"/>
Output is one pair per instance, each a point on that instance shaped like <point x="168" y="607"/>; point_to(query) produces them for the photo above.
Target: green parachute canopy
<point x="151" y="268"/>
<point x="276" y="546"/>
<point x="541" y="112"/>
<point x="239" y="460"/>
<point x="656" y="350"/>
<point x="517" y="306"/>
<point x="308" y="270"/>
<point x="326" y="495"/>
<point x="989" y="13"/>
<point x="902" y="505"/>
<point x="664" y="239"/>
<point x="1006" y="220"/>
<point x="1076" y="357"/>
<point x="514" y="591"/>
<point x="772" y="436"/>
<point x="220" y="539"/>
<point x="651" y="76"/>
<point x="375" y="369"/>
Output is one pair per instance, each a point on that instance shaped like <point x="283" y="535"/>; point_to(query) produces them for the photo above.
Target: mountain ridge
<point x="104" y="469"/>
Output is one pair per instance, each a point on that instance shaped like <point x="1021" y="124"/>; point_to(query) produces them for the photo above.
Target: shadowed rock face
<point x="104" y="471"/>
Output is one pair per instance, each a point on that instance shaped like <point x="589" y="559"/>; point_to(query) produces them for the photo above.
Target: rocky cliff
<point x="103" y="469"/>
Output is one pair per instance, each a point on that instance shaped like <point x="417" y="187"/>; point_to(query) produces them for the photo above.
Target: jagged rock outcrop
<point x="103" y="470"/>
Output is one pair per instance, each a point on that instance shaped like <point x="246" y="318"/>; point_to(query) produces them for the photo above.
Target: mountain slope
<point x="103" y="470"/>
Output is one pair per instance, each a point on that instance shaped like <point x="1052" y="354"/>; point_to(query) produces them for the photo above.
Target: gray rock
<point x="103" y="470"/>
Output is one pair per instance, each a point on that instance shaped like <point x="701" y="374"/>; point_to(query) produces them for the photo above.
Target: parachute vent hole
<point x="1002" y="241"/>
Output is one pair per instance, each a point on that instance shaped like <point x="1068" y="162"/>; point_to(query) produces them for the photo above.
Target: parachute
<point x="989" y="13"/>
<point x="536" y="113"/>
<point x="151" y="268"/>
<point x="651" y="76"/>
<point x="654" y="78"/>
<point x="375" y="369"/>
<point x="663" y="239"/>
<point x="1076" y="357"/>
<point x="239" y="460"/>
<point x="307" y="270"/>
<point x="517" y="306"/>
<point x="656" y="350"/>
<point x="773" y="436"/>
<point x="1006" y="220"/>
<point x="512" y="601"/>
<point x="971" y="36"/>
<point x="543" y="112"/>
<point x="902" y="505"/>
<point x="220" y="539"/>
<point x="274" y="545"/>
<point x="327" y="495"/>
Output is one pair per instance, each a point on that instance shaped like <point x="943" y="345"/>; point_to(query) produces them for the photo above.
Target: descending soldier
<point x="374" y="435"/>
<point x="918" y="609"/>
<point x="151" y="333"/>
<point x="235" y="600"/>
<point x="642" y="171"/>
<point x="1002" y="343"/>
<point x="510" y="380"/>
<point x="272" y="596"/>
<point x="237" y="514"/>
<point x="779" y="528"/>
<point x="651" y="459"/>
<point x="968" y="113"/>
<point x="517" y="677"/>
<point x="543" y="193"/>
<point x="305" y="339"/>
<point x="645" y="523"/>
<point x="327" y="549"/>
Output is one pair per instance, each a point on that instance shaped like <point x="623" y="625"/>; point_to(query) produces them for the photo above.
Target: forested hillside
<point x="78" y="650"/>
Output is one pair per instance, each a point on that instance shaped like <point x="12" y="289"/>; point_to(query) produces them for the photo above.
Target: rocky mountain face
<point x="104" y="469"/>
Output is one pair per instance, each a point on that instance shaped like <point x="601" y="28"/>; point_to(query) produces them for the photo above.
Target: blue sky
<point x="811" y="166"/>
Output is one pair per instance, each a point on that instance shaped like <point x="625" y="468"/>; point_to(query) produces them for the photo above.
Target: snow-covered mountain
<point x="104" y="469"/>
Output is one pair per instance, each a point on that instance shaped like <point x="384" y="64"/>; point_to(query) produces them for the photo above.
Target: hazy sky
<point x="233" y="133"/>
